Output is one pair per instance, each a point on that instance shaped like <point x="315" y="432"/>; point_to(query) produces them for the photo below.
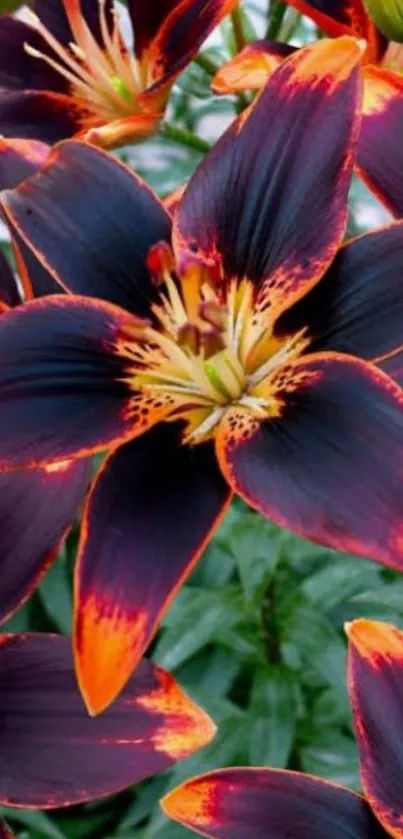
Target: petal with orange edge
<point x="375" y="677"/>
<point x="270" y="804"/>
<point x="19" y="159"/>
<point x="112" y="218"/>
<point x="269" y="201"/>
<point x="181" y="35"/>
<point x="63" y="382"/>
<point x="251" y="68"/>
<point x="380" y="152"/>
<point x="357" y="308"/>
<point x="328" y="466"/>
<point x="53" y="754"/>
<point x="40" y="115"/>
<point x="37" y="508"/>
<point x="149" y="516"/>
<point x="341" y="17"/>
<point x="147" y="18"/>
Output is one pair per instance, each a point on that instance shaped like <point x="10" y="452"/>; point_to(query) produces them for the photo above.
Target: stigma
<point x="205" y="349"/>
<point x="106" y="79"/>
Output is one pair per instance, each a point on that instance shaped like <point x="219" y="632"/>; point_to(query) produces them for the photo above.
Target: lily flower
<point x="69" y="70"/>
<point x="52" y="754"/>
<point x="37" y="508"/>
<point x="229" y="349"/>
<point x="265" y="803"/>
<point x="380" y="152"/>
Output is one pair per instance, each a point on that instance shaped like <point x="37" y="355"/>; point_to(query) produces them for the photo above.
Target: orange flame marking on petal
<point x="186" y="728"/>
<point x="192" y="803"/>
<point x="102" y="675"/>
<point x="373" y="639"/>
<point x="59" y="466"/>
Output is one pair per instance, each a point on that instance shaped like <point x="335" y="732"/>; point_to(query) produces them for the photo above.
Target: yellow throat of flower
<point x="207" y="348"/>
<point x="106" y="80"/>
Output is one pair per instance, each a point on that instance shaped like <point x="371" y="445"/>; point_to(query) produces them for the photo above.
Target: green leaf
<point x="272" y="713"/>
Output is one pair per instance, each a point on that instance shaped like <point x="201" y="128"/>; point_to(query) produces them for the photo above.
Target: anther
<point x="160" y="261"/>
<point x="189" y="338"/>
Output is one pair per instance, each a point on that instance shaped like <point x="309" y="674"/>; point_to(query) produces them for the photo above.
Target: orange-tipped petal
<point x="259" y="803"/>
<point x="251" y="68"/>
<point x="375" y="678"/>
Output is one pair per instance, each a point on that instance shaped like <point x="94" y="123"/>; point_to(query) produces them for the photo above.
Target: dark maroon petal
<point x="9" y="292"/>
<point x="63" y="382"/>
<point x="112" y="219"/>
<point x="379" y="152"/>
<point x="330" y="465"/>
<point x="182" y="33"/>
<point x="19" y="159"/>
<point x="53" y="16"/>
<point x="44" y="116"/>
<point x="269" y="201"/>
<point x="270" y="804"/>
<point x="151" y="511"/>
<point x="53" y="754"/>
<point x="18" y="70"/>
<point x="36" y="509"/>
<point x="344" y="17"/>
<point x="375" y="678"/>
<point x="147" y="18"/>
<point x="357" y="308"/>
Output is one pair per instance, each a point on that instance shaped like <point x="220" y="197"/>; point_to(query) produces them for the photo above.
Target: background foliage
<point x="256" y="636"/>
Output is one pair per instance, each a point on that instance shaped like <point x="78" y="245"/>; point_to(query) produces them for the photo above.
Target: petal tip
<point x="371" y="638"/>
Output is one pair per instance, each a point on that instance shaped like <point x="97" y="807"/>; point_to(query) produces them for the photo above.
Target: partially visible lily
<point x="52" y="754"/>
<point x="70" y="71"/>
<point x="37" y="508"/>
<point x="380" y="149"/>
<point x="260" y="803"/>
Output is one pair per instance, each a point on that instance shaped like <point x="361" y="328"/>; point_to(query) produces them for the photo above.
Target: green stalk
<point x="183" y="137"/>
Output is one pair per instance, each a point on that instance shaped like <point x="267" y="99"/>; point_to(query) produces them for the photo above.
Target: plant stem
<point x="277" y="12"/>
<point x="237" y="25"/>
<point x="206" y="63"/>
<point x="183" y="137"/>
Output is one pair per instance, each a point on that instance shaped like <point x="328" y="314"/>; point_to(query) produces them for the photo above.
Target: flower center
<point x="208" y="348"/>
<point x="108" y="79"/>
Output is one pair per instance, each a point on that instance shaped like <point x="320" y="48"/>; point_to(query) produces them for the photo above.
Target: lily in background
<point x="277" y="804"/>
<point x="380" y="151"/>
<point x="52" y="754"/>
<point x="69" y="70"/>
<point x="228" y="349"/>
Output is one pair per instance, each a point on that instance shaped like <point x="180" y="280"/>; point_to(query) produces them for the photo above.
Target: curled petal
<point x="251" y="68"/>
<point x="270" y="804"/>
<point x="53" y="754"/>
